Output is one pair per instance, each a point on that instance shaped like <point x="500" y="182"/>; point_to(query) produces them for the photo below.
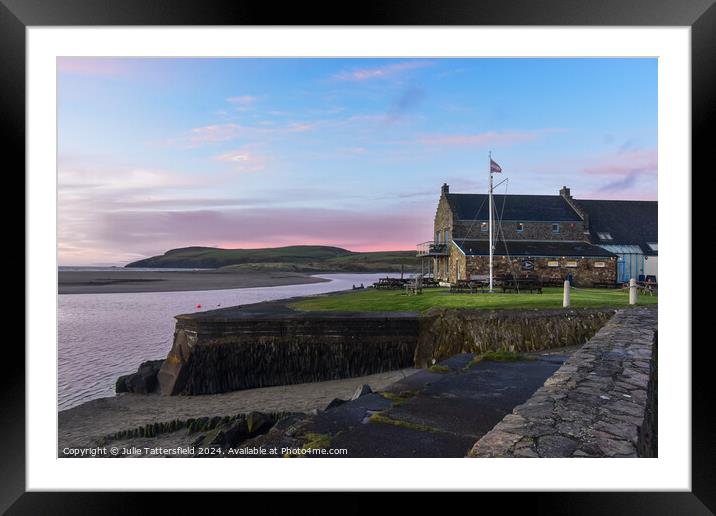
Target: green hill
<point x="300" y="258"/>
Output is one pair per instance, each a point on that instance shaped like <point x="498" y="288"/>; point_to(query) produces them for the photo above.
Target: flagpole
<point x="490" y="199"/>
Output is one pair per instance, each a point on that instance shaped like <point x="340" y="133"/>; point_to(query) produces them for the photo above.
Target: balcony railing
<point x="433" y="249"/>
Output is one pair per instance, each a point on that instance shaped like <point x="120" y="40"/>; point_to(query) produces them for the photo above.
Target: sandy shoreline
<point x="129" y="281"/>
<point x="80" y="426"/>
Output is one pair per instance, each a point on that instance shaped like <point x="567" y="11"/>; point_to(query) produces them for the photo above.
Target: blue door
<point x="621" y="272"/>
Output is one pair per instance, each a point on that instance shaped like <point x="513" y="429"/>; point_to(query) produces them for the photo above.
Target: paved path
<point x="435" y="414"/>
<point x="600" y="403"/>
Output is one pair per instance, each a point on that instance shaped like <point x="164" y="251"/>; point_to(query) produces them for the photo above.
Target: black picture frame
<point x="17" y="15"/>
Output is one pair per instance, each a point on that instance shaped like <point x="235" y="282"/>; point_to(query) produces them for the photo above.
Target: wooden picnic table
<point x="518" y="285"/>
<point x="468" y="286"/>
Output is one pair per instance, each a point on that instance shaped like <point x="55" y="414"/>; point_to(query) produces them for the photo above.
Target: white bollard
<point x="632" y="291"/>
<point x="565" y="300"/>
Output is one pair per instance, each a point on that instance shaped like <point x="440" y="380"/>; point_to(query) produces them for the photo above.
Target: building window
<point x="484" y="227"/>
<point x="520" y="227"/>
<point x="437" y="237"/>
<point x="555" y="228"/>
<point x="654" y="246"/>
<point x="605" y="236"/>
<point x="447" y="236"/>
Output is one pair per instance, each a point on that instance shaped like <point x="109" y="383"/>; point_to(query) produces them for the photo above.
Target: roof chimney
<point x="564" y="192"/>
<point x="445" y="189"/>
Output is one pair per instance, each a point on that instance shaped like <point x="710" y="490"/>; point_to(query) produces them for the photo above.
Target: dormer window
<point x="484" y="227"/>
<point x="555" y="227"/>
<point x="604" y="236"/>
<point x="520" y="227"/>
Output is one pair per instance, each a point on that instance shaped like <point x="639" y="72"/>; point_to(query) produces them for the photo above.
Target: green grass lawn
<point x="371" y="300"/>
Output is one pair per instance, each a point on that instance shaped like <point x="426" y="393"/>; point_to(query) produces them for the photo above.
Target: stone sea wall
<point x="600" y="403"/>
<point x="211" y="356"/>
<point x="230" y="351"/>
<point x="447" y="332"/>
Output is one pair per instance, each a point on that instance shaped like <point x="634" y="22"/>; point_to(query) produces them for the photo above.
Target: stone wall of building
<point x="595" y="405"/>
<point x="585" y="274"/>
<point x="568" y="231"/>
<point x="443" y="220"/>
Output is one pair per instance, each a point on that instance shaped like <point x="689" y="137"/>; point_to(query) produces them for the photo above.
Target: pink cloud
<point x="381" y="72"/>
<point x="625" y="163"/>
<point x="244" y="159"/>
<point x="215" y="133"/>
<point x="154" y="232"/>
<point x="242" y="102"/>
<point x="218" y="133"/>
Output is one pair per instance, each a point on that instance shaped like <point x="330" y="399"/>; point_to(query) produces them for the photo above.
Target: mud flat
<point x="83" y="425"/>
<point x="128" y="281"/>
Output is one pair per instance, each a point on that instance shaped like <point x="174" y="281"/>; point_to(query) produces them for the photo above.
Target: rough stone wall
<point x="446" y="332"/>
<point x="227" y="354"/>
<point x="457" y="262"/>
<point x="647" y="445"/>
<point x="595" y="405"/>
<point x="585" y="274"/>
<point x="443" y="218"/>
<point x="211" y="357"/>
<point x="570" y="231"/>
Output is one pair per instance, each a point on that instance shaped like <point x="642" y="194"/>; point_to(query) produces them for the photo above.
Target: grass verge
<point x="371" y="300"/>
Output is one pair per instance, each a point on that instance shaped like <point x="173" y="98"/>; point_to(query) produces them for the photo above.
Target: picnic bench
<point x="521" y="285"/>
<point x="468" y="287"/>
<point x="430" y="283"/>
<point x="647" y="287"/>
<point x="414" y="286"/>
<point x="390" y="283"/>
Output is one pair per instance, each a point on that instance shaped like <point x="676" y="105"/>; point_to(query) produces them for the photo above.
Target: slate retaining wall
<point x="243" y="353"/>
<point x="600" y="403"/>
<point x="447" y="332"/>
<point x="268" y="344"/>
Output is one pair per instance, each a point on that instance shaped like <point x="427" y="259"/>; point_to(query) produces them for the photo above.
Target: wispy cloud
<point x="626" y="168"/>
<point x="408" y="99"/>
<point x="624" y="163"/>
<point x="220" y="133"/>
<point x="486" y="138"/>
<point x="242" y="102"/>
<point x="381" y="72"/>
<point x="245" y="159"/>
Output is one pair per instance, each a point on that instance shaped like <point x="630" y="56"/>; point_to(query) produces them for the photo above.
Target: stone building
<point x="550" y="236"/>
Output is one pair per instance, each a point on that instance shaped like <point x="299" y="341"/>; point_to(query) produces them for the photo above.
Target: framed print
<point x="351" y="251"/>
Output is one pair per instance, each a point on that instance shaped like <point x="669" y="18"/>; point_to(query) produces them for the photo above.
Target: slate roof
<point x="544" y="208"/>
<point x="628" y="222"/>
<point x="551" y="249"/>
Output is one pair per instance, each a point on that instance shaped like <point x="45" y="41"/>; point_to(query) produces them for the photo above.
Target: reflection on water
<point x="103" y="336"/>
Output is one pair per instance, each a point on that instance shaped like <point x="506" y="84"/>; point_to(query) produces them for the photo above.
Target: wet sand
<point x="129" y="281"/>
<point x="81" y="426"/>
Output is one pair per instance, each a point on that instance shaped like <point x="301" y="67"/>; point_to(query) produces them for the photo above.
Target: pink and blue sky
<point x="156" y="154"/>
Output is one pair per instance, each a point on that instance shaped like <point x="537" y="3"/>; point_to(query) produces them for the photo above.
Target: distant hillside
<point x="300" y="258"/>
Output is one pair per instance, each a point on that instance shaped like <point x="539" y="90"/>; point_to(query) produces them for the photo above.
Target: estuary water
<point x="103" y="336"/>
